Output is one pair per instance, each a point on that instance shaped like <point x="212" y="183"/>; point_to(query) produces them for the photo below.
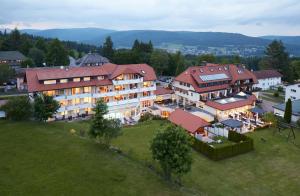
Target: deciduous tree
<point x="6" y="73"/>
<point x="171" y="147"/>
<point x="18" y="108"/>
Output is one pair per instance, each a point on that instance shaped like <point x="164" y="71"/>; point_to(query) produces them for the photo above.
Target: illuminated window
<point x="87" y="89"/>
<point x="75" y="91"/>
<point x="76" y="79"/>
<point x="87" y="100"/>
<point x="50" y="82"/>
<point x="49" y="93"/>
<point x="86" y="78"/>
<point x="63" y="81"/>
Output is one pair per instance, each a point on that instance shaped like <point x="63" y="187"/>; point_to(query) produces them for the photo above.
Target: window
<point x="63" y="80"/>
<point x="293" y="90"/>
<point x="76" y="79"/>
<point x="50" y="82"/>
<point x="86" y="78"/>
<point x="87" y="89"/>
<point x="100" y="77"/>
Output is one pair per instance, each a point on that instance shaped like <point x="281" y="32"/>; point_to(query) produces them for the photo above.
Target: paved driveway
<point x="267" y="105"/>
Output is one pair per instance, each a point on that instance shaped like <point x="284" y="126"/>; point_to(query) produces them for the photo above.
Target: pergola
<point x="232" y="123"/>
<point x="258" y="111"/>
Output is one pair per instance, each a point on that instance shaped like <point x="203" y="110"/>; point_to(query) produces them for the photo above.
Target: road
<point x="267" y="105"/>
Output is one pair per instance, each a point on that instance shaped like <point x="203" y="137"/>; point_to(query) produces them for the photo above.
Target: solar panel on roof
<point x="213" y="77"/>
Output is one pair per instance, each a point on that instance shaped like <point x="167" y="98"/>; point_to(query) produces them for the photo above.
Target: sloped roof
<point x="35" y="75"/>
<point x="11" y="55"/>
<point x="92" y="58"/>
<point x="163" y="91"/>
<point x="188" y="121"/>
<point x="232" y="72"/>
<point x="263" y="74"/>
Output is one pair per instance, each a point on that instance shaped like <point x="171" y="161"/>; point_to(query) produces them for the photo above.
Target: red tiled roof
<point x="34" y="76"/>
<point x="233" y="72"/>
<point x="188" y="121"/>
<point x="162" y="91"/>
<point x="271" y="73"/>
<point x="228" y="106"/>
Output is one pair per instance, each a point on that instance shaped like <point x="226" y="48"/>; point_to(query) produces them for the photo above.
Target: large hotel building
<point x="127" y="89"/>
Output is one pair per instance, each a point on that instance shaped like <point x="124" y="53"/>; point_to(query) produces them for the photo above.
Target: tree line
<point x="42" y="51"/>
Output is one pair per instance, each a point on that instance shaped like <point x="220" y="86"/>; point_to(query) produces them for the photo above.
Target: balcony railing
<point x="129" y="81"/>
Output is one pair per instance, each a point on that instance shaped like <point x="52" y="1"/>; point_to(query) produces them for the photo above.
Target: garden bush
<point x="276" y="94"/>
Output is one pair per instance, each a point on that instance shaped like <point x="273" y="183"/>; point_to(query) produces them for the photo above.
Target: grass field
<point x="45" y="159"/>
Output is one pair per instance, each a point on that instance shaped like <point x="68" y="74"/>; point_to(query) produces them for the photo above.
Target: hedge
<point x="242" y="145"/>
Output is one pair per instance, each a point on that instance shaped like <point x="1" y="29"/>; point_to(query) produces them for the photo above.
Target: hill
<point x="294" y="40"/>
<point x="218" y="43"/>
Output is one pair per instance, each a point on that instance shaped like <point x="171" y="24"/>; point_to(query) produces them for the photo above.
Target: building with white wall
<point x="280" y="109"/>
<point x="267" y="79"/>
<point x="198" y="84"/>
<point x="128" y="90"/>
<point x="292" y="92"/>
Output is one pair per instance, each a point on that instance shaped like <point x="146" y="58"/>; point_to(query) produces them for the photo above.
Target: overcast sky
<point x="250" y="17"/>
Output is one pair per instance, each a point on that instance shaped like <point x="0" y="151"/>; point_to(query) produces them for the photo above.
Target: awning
<point x="257" y="110"/>
<point x="232" y="123"/>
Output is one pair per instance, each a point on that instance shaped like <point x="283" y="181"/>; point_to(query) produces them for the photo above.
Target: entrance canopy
<point x="232" y="123"/>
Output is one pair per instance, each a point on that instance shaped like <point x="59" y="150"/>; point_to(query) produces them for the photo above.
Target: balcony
<point x="122" y="102"/>
<point x="75" y="107"/>
<point x="130" y="81"/>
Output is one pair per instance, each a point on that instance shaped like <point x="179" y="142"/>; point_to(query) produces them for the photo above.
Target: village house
<point x="267" y="79"/>
<point x="12" y="58"/>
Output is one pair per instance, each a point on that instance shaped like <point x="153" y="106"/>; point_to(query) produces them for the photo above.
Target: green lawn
<point x="39" y="159"/>
<point x="269" y="96"/>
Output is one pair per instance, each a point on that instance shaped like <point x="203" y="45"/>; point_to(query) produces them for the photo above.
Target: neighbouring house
<point x="191" y="123"/>
<point x="198" y="84"/>
<point x="12" y="58"/>
<point x="279" y="110"/>
<point x="92" y="59"/>
<point x="267" y="79"/>
<point x="292" y="92"/>
<point x="128" y="90"/>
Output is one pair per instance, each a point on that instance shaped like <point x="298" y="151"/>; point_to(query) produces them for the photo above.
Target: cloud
<point x="252" y="17"/>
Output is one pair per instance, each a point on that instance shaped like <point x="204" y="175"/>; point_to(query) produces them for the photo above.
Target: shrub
<point x="18" y="108"/>
<point x="280" y="89"/>
<point x="276" y="94"/>
<point x="149" y="116"/>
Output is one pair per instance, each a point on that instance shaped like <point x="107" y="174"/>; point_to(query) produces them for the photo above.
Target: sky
<point x="249" y="17"/>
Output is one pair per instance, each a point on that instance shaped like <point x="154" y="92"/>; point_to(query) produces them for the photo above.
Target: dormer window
<point x="225" y="68"/>
<point x="100" y="77"/>
<point x="50" y="82"/>
<point x="220" y="68"/>
<point x="211" y="69"/>
<point x="86" y="78"/>
<point x="201" y="70"/>
<point x="143" y="72"/>
<point x="63" y="81"/>
<point x="76" y="79"/>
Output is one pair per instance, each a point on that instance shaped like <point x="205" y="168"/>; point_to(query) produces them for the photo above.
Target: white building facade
<point x="128" y="90"/>
<point x="267" y="79"/>
<point x="292" y="92"/>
